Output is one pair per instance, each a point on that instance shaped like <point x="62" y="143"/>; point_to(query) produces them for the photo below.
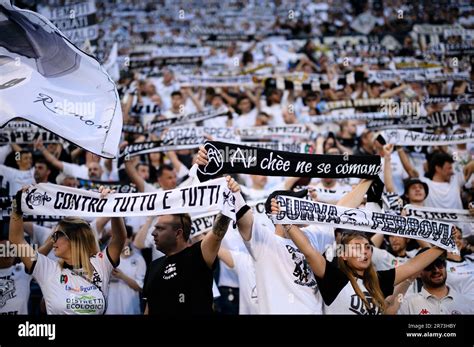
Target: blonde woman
<point x="78" y="282"/>
<point x="354" y="286"/>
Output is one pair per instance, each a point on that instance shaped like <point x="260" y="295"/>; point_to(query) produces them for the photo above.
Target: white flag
<point x="48" y="81"/>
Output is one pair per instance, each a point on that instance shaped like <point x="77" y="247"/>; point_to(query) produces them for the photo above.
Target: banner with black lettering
<point x="397" y="123"/>
<point x="94" y="185"/>
<point x="49" y="199"/>
<point x="295" y="147"/>
<point x="25" y="133"/>
<point x="227" y="158"/>
<point x="412" y="138"/>
<point x="331" y="105"/>
<point x="450" y="118"/>
<point x="450" y="215"/>
<point x="77" y="21"/>
<point x="188" y="118"/>
<point x="223" y="134"/>
<point x="463" y="99"/>
<point x="302" y="211"/>
<point x="297" y="130"/>
<point x="336" y="118"/>
<point x="48" y="81"/>
<point x="158" y="146"/>
<point x="220" y="81"/>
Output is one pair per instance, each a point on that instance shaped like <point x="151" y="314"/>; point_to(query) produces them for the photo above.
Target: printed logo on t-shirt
<point x="302" y="272"/>
<point x="63" y="279"/>
<point x="170" y="271"/>
<point x="395" y="262"/>
<point x="85" y="304"/>
<point x="452" y="269"/>
<point x="424" y="311"/>
<point x="7" y="289"/>
<point x="359" y="307"/>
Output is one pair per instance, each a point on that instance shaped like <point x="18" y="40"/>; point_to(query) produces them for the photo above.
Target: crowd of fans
<point x="264" y="268"/>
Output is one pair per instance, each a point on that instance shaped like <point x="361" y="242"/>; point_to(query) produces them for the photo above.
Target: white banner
<point x="297" y="130"/>
<point x="50" y="199"/>
<point x="450" y="215"/>
<point x="302" y="211"/>
<point x="412" y="138"/>
<point x="50" y="82"/>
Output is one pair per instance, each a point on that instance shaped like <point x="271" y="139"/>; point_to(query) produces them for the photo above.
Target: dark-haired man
<point x="181" y="281"/>
<point x="435" y="296"/>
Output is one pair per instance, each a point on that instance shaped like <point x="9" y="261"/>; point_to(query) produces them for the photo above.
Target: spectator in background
<point x="435" y="296"/>
<point x="126" y="282"/>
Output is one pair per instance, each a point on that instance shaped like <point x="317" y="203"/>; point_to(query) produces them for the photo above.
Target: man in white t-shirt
<point x="445" y="186"/>
<point x="14" y="285"/>
<point x="92" y="170"/>
<point x="165" y="86"/>
<point x="285" y="282"/>
<point x="20" y="177"/>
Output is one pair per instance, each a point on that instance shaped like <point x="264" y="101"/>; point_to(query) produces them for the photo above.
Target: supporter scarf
<point x="396" y="123"/>
<point x="25" y="133"/>
<point x="193" y="132"/>
<point x="94" y="185"/>
<point x="299" y="130"/>
<point x="412" y="138"/>
<point x="294" y="147"/>
<point x="336" y="118"/>
<point x="226" y="158"/>
<point x="133" y="128"/>
<point x="158" y="146"/>
<point x="331" y="105"/>
<point x="49" y="199"/>
<point x="466" y="99"/>
<point x="449" y="215"/>
<point x="221" y="81"/>
<point x="450" y="118"/>
<point x="302" y="211"/>
<point x="188" y="118"/>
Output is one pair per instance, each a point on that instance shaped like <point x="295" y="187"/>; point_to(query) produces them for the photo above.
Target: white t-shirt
<point x="165" y="91"/>
<point x="80" y="171"/>
<point x="17" y="178"/>
<point x="443" y="194"/>
<point x="285" y="282"/>
<point x="246" y="120"/>
<point x="425" y="303"/>
<point x="248" y="299"/>
<point x="461" y="277"/>
<point x="14" y="290"/>
<point x="276" y="111"/>
<point x="66" y="292"/>
<point x="122" y="298"/>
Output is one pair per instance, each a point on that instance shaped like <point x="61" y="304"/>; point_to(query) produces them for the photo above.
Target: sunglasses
<point x="57" y="234"/>
<point x="438" y="263"/>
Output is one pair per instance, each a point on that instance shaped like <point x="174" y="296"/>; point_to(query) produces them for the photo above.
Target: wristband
<point x="241" y="212"/>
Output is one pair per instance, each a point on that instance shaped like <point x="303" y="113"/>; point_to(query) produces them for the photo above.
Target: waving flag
<point x="47" y="80"/>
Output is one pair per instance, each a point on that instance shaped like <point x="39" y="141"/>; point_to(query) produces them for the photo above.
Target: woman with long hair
<point x="354" y="286"/>
<point x="78" y="282"/>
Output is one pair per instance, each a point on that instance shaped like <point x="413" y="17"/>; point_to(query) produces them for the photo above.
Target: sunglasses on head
<point x="57" y="234"/>
<point x="439" y="263"/>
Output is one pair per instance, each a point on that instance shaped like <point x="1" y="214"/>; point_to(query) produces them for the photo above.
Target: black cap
<point x="413" y="181"/>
